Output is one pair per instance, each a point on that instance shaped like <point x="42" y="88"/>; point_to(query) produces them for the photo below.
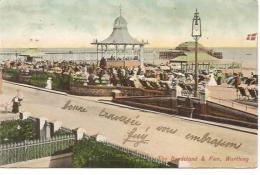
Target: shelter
<point x="188" y="57"/>
<point x="32" y="53"/>
<point x="205" y="62"/>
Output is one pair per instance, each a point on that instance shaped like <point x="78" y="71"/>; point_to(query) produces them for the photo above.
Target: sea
<point x="246" y="56"/>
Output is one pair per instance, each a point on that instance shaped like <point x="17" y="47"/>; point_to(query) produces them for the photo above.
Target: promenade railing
<point x="234" y="104"/>
<point x="34" y="149"/>
<point x="136" y="153"/>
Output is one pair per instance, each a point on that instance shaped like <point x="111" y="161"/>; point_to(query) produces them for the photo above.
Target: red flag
<point x="251" y="36"/>
<point x="248" y="37"/>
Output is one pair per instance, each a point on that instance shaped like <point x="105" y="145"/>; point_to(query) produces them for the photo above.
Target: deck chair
<point x="131" y="83"/>
<point x="144" y="84"/>
<point x="162" y="85"/>
<point x="182" y="86"/>
<point x="154" y="85"/>
<point x="167" y="86"/>
<point x="147" y="85"/>
<point x="253" y="93"/>
<point x="189" y="88"/>
<point x="185" y="92"/>
<point x="243" y="92"/>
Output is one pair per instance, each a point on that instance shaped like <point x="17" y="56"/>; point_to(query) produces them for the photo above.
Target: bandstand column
<point x="97" y="54"/>
<point x="133" y="51"/>
<point x="101" y="50"/>
<point x="116" y="51"/>
<point x="141" y="54"/>
<point x="106" y="51"/>
<point x="124" y="50"/>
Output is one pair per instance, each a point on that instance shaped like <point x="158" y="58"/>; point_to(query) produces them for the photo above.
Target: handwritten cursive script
<point x="166" y="129"/>
<point x="122" y="118"/>
<point x="136" y="138"/>
<point x="69" y="106"/>
<point x="213" y="141"/>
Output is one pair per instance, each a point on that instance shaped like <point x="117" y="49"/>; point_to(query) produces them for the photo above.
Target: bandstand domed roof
<point x="120" y="34"/>
<point x="120" y="22"/>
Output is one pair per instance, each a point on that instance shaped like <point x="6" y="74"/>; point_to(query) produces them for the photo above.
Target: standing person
<point x="219" y="78"/>
<point x="212" y="81"/>
<point x="237" y="81"/>
<point x="17" y="101"/>
<point x="49" y="83"/>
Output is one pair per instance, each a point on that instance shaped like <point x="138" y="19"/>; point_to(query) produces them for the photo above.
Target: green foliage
<point x="89" y="153"/>
<point x="61" y="81"/>
<point x="35" y="149"/>
<point x="39" y="79"/>
<point x="61" y="132"/>
<point x="11" y="73"/>
<point x="13" y="131"/>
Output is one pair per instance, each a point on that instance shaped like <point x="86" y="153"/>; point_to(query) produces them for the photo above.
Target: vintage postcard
<point x="128" y="83"/>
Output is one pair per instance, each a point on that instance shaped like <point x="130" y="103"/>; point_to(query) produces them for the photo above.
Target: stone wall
<point x="123" y="63"/>
<point x="160" y="101"/>
<point x="209" y="111"/>
<point x="58" y="161"/>
<point x="24" y="79"/>
<point x="92" y="90"/>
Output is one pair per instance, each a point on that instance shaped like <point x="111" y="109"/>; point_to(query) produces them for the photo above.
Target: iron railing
<point x="136" y="153"/>
<point x="34" y="149"/>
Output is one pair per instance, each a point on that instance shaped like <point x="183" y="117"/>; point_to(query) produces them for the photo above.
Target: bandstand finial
<point x="120" y="9"/>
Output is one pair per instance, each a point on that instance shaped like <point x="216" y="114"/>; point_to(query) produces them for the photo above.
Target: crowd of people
<point x="113" y="58"/>
<point x="247" y="87"/>
<point x="161" y="77"/>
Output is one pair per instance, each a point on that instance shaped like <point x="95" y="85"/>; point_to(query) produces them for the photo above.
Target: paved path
<point x="227" y="96"/>
<point x="158" y="143"/>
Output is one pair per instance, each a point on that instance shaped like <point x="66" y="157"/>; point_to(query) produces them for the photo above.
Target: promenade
<point x="163" y="136"/>
<point x="227" y="96"/>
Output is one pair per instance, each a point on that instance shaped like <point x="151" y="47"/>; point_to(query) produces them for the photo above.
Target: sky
<point x="164" y="23"/>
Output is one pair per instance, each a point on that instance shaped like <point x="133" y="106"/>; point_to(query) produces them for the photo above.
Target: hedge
<point x="39" y="79"/>
<point x="11" y="74"/>
<point x="60" y="82"/>
<point x="14" y="131"/>
<point x="93" y="154"/>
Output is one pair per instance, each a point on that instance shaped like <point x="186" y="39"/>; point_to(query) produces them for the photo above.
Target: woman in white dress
<point x="49" y="83"/>
<point x="212" y="81"/>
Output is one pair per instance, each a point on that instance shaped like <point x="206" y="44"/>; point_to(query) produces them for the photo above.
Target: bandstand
<point x="120" y="49"/>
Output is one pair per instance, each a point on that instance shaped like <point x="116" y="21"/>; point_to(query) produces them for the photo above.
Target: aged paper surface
<point x="128" y="84"/>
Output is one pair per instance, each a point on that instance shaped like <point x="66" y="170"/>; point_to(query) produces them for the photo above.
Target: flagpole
<point x="251" y="37"/>
<point x="257" y="51"/>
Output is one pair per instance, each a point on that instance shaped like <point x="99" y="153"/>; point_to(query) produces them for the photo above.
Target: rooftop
<point x="32" y="52"/>
<point x="190" y="57"/>
<point x="189" y="45"/>
<point x="120" y="34"/>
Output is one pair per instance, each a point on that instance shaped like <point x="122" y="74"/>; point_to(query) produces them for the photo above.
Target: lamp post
<point x="196" y="34"/>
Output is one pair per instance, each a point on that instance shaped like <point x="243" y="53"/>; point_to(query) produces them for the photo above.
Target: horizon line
<point x="95" y="47"/>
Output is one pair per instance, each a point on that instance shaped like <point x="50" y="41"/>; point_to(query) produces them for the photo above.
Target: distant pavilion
<point x="31" y="54"/>
<point x="114" y="48"/>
